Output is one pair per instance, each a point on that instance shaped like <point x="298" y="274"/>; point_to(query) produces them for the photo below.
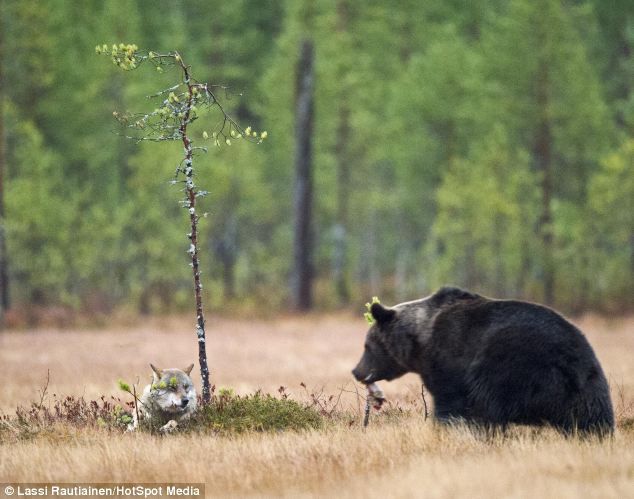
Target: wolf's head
<point x="172" y="390"/>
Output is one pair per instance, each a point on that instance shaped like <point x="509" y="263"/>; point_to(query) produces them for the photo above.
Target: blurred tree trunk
<point x="470" y="266"/>
<point x="369" y="264"/>
<point x="226" y="250"/>
<point x="400" y="275"/>
<point x="544" y="162"/>
<point x="340" y="264"/>
<point x="303" y="244"/>
<point x="630" y="299"/>
<point x="4" y="260"/>
<point x="499" y="274"/>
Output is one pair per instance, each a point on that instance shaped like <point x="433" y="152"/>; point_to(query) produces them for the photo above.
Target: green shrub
<point x="230" y="413"/>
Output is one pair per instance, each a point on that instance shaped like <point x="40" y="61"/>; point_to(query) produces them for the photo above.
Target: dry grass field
<point x="402" y="456"/>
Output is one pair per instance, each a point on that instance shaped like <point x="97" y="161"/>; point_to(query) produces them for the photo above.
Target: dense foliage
<point x="488" y="145"/>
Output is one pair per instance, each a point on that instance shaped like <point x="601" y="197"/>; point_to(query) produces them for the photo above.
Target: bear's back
<point x="467" y="327"/>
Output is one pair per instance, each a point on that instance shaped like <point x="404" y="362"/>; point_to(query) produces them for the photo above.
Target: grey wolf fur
<point x="168" y="400"/>
<point x="491" y="362"/>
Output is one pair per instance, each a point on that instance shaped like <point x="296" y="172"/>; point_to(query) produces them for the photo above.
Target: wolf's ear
<point x="382" y="314"/>
<point x="188" y="370"/>
<point x="157" y="372"/>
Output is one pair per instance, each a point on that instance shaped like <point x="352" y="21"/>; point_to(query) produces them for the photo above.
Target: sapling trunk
<point x="374" y="397"/>
<point x="190" y="195"/>
<point x="200" y="318"/>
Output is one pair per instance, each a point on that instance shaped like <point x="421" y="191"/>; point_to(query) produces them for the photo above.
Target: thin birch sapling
<point x="177" y="107"/>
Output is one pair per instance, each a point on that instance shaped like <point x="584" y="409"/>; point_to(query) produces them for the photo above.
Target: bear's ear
<point x="382" y="314"/>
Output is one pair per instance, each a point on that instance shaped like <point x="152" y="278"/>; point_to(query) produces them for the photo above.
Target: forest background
<point x="487" y="144"/>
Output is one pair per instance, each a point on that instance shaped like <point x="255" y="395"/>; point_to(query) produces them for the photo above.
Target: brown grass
<point x="396" y="457"/>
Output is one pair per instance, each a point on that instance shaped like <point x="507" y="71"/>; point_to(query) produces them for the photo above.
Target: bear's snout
<point x="361" y="375"/>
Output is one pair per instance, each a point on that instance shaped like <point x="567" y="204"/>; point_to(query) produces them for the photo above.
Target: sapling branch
<point x="136" y="405"/>
<point x="422" y="393"/>
<point x="366" y="412"/>
<point x="376" y="398"/>
<point x="125" y="387"/>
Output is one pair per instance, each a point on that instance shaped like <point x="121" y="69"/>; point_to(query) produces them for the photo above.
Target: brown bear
<point x="491" y="362"/>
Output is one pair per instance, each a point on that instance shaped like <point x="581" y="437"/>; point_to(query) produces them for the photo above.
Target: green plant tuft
<point x="124" y="386"/>
<point x="368" y="314"/>
<point x="259" y="412"/>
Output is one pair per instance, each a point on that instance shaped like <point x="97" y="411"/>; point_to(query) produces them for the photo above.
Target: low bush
<point x="229" y="413"/>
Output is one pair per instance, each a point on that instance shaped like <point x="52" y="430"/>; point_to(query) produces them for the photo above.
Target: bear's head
<point x="393" y="343"/>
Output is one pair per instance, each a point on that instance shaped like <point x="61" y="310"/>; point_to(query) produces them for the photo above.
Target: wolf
<point x="491" y="362"/>
<point x="168" y="400"/>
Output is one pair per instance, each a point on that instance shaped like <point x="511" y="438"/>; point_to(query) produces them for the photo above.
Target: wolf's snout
<point x="184" y="402"/>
